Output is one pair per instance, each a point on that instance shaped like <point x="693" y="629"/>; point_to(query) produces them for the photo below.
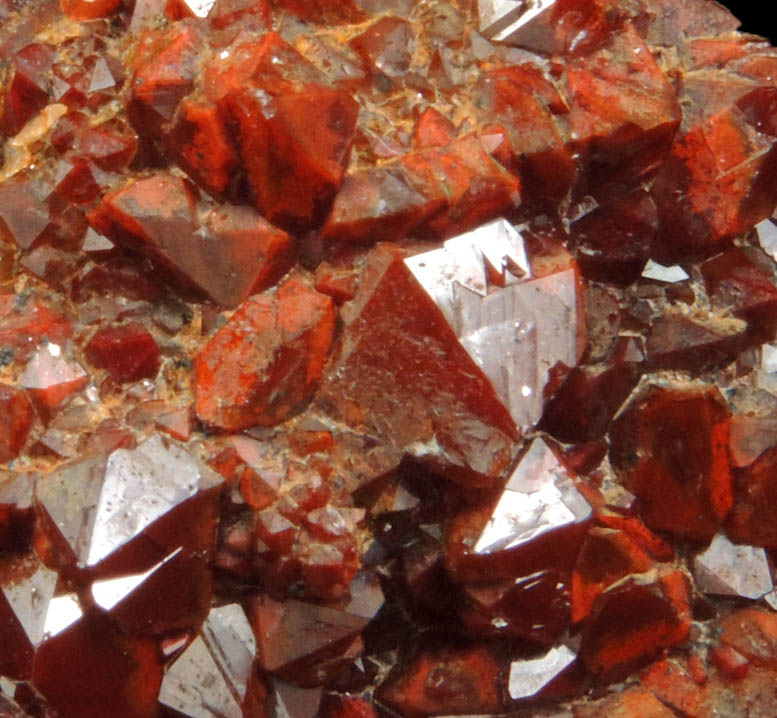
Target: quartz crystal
<point x="731" y="570"/>
<point x="529" y="677"/>
<point x="387" y="358"/>
<point x="122" y="494"/>
<point x="211" y="676"/>
<point x="538" y="498"/>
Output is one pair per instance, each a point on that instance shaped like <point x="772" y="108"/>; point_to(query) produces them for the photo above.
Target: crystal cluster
<point x="387" y="358"/>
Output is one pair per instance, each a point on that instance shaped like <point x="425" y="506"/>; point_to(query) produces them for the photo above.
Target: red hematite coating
<point x="266" y="360"/>
<point x="127" y="351"/>
<point x="387" y="358"/>
<point x="89" y="9"/>
<point x="16" y="417"/>
<point x="675" y="443"/>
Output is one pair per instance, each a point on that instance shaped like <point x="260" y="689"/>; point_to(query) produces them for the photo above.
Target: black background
<point x="757" y="16"/>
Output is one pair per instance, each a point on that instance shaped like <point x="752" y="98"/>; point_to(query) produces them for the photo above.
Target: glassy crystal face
<point x="61" y="613"/>
<point x="539" y="497"/>
<point x="31" y="601"/>
<point x="732" y="570"/>
<point x="119" y="496"/>
<point x="515" y="334"/>
<point x="511" y="20"/>
<point x="529" y="677"/>
<point x="211" y="676"/>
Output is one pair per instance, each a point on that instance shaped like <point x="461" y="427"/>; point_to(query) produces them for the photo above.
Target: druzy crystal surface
<point x="387" y="359"/>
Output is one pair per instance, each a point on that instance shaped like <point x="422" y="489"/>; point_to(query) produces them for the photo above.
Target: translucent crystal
<point x="100" y="504"/>
<point x="767" y="236"/>
<point x="30" y="599"/>
<point x="674" y="273"/>
<point x="200" y="8"/>
<point x="51" y="377"/>
<point x="140" y="486"/>
<point x="513" y="21"/>
<point x="102" y="78"/>
<point x="769" y="358"/>
<point x="539" y="497"/>
<point x="514" y="334"/>
<point x="210" y="678"/>
<point x="62" y="612"/>
<point x="528" y="677"/>
<point x="292" y="630"/>
<point x="493" y="250"/>
<point x="290" y="701"/>
<point x="109" y="592"/>
<point x="729" y="569"/>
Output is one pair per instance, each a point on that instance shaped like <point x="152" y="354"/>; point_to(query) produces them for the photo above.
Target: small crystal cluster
<point x="387" y="358"/>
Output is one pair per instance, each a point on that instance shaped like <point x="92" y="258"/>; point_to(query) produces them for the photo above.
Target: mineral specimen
<point x="387" y="358"/>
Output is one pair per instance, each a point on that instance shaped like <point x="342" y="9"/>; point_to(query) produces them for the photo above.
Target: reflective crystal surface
<point x="539" y="497"/>
<point x="528" y="677"/>
<point x="387" y="359"/>
<point x="31" y="600"/>
<point x="729" y="569"/>
<point x="516" y="334"/>
<point x="119" y="496"/>
<point x="211" y="676"/>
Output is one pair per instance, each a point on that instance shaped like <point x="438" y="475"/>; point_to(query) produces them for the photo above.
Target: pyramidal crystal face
<point x="729" y="569"/>
<point x="100" y="504"/>
<point x="211" y="676"/>
<point x="539" y="497"/>
<point x="529" y="677"/>
<point x="514" y="328"/>
<point x="517" y="22"/>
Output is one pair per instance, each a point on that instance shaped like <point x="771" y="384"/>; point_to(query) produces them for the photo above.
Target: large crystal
<point x="537" y="522"/>
<point x="516" y="334"/>
<point x="267" y="360"/>
<point x="693" y="466"/>
<point x="387" y="357"/>
<point x="100" y="504"/>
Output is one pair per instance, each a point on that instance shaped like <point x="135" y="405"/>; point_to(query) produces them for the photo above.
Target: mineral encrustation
<point x="389" y="358"/>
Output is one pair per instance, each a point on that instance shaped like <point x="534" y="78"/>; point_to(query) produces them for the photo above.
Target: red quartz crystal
<point x="18" y="415"/>
<point x="203" y="149"/>
<point x="605" y="557"/>
<point x="50" y="379"/>
<point x="387" y="358"/>
<point x="675" y="443"/>
<point x="127" y="351"/>
<point x="753" y="500"/>
<point x="528" y="106"/>
<point x="89" y="9"/>
<point x="164" y="73"/>
<point x="752" y="632"/>
<point x="25" y="90"/>
<point x="288" y="334"/>
<point x="635" y="702"/>
<point x="633" y="622"/>
<point x="227" y="255"/>
<point x="91" y="668"/>
<point x="408" y="391"/>
<point x="465" y="680"/>
<point x="630" y="131"/>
